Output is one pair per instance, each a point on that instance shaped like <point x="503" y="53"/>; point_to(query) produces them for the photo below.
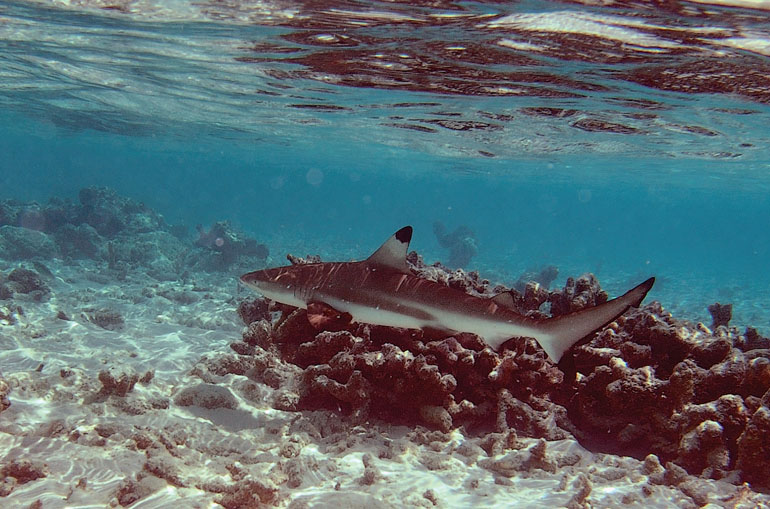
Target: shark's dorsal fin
<point x="392" y="253"/>
<point x="505" y="300"/>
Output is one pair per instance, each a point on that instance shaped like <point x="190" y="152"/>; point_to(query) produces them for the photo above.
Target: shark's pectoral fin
<point x="324" y="317"/>
<point x="434" y="333"/>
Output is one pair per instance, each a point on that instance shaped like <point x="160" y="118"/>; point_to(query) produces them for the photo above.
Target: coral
<point x="656" y="385"/>
<point x="369" y="371"/>
<point x="23" y="471"/>
<point x="26" y="282"/>
<point x="721" y="314"/>
<point x="251" y="311"/>
<point x="250" y="493"/>
<point x="118" y="381"/>
<point x="5" y="390"/>
<point x="577" y="294"/>
<point x="371" y="473"/>
<point x="120" y="231"/>
<point x="229" y="244"/>
<point x="131" y="490"/>
<point x="110" y="214"/>
<point x="461" y="244"/>
<point x="536" y="458"/>
<point x="647" y="385"/>
<point x="469" y="282"/>
<point x="753" y="449"/>
<point x="155" y="250"/>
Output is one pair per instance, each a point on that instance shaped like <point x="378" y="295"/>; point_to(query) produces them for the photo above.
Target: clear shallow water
<point x="626" y="140"/>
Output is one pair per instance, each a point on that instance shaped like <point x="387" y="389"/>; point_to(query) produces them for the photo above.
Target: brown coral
<point x="647" y="384"/>
<point x="658" y="385"/>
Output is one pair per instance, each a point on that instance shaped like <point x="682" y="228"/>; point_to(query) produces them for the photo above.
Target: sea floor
<point x="112" y="404"/>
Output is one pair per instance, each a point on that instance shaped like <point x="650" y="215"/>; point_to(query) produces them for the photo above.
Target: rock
<point x="82" y="241"/>
<point x="108" y="319"/>
<point x="23" y="470"/>
<point x="131" y="491"/>
<point x="19" y="243"/>
<point x="27" y="282"/>
<point x="208" y="396"/>
<point x="371" y="473"/>
<point x="436" y="417"/>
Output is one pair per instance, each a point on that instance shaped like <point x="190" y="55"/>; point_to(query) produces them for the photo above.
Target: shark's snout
<point x="251" y="279"/>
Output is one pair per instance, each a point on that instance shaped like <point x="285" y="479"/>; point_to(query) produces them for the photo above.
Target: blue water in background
<point x="339" y="187"/>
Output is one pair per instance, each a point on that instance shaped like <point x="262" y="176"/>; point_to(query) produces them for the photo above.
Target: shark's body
<point x="381" y="290"/>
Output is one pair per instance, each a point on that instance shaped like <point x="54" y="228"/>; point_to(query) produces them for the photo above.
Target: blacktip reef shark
<point x="381" y="290"/>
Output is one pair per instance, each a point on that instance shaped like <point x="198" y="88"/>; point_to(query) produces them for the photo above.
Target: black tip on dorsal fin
<point x="404" y="235"/>
<point x="393" y="252"/>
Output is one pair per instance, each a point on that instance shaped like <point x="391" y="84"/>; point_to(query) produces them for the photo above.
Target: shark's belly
<point x="379" y="314"/>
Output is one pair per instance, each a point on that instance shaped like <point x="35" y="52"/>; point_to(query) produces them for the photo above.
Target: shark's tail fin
<point x="560" y="333"/>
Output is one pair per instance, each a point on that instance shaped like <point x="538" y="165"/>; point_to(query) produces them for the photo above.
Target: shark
<point x="382" y="290"/>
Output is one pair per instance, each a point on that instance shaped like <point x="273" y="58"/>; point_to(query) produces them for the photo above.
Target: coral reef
<point x="647" y="384"/>
<point x="653" y="384"/>
<point x="123" y="233"/>
<point x="461" y="244"/>
<point x="229" y="243"/>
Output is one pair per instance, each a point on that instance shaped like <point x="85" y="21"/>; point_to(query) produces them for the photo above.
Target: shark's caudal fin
<point x="560" y="333"/>
<point x="393" y="252"/>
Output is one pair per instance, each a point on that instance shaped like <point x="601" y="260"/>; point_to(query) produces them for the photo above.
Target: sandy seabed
<point x="111" y="405"/>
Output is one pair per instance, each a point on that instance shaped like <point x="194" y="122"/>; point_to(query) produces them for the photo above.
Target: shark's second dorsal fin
<point x="393" y="252"/>
<point x="505" y="300"/>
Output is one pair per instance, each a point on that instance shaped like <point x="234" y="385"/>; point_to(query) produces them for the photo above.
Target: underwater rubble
<point x="682" y="397"/>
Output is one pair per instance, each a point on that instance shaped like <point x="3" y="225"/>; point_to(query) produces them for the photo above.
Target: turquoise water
<point x="239" y="115"/>
<point x="208" y="117"/>
<point x="627" y="140"/>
